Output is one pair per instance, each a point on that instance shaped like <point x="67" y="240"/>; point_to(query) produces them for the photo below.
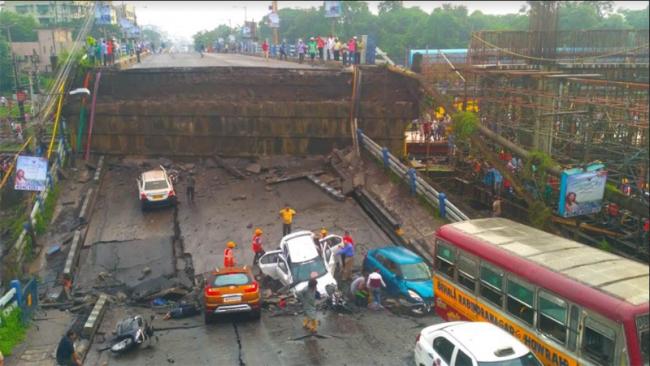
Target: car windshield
<point x="155" y="184"/>
<point x="415" y="272"/>
<point x="231" y="279"/>
<point x="527" y="360"/>
<point x="301" y="271"/>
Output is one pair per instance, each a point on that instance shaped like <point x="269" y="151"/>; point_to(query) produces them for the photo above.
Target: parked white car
<point x="155" y="188"/>
<point x="300" y="254"/>
<point x="470" y="344"/>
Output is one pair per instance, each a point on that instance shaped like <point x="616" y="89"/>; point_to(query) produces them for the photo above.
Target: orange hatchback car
<point x="232" y="290"/>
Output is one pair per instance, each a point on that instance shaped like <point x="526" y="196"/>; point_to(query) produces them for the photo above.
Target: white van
<point x="299" y="255"/>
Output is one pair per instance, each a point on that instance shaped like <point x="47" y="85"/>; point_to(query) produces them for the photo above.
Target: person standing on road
<point x="320" y="43"/>
<point x="347" y="257"/>
<point x="257" y="246"/>
<point x="104" y="52"/>
<point x="65" y="353"/>
<point x="300" y="48"/>
<point x="352" y="50"/>
<point x="287" y="214"/>
<point x="329" y="45"/>
<point x="307" y="298"/>
<point x="337" y="49"/>
<point x="360" y="50"/>
<point x="283" y="50"/>
<point x="190" y="188"/>
<point x="228" y="255"/>
<point x="312" y="50"/>
<point x="375" y="284"/>
<point x="265" y="49"/>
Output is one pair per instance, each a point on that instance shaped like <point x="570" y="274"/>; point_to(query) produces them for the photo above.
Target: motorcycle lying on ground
<point x="335" y="300"/>
<point x="131" y="333"/>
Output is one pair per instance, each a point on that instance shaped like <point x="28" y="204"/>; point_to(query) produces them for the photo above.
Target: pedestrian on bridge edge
<point x="265" y="49"/>
<point x="312" y="50"/>
<point x="375" y="284"/>
<point x="228" y="255"/>
<point x="190" y="188"/>
<point x="258" y="250"/>
<point x="287" y="214"/>
<point x="65" y="352"/>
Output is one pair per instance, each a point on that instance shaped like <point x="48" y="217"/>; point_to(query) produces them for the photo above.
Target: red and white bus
<point x="569" y="303"/>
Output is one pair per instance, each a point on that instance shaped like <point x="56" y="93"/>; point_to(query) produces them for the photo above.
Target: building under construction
<point x="579" y="96"/>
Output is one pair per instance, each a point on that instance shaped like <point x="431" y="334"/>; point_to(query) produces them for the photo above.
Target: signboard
<point x="332" y="9"/>
<point x="274" y="20"/>
<point x="21" y="96"/>
<point x="31" y="173"/>
<point x="103" y="14"/>
<point x="581" y="191"/>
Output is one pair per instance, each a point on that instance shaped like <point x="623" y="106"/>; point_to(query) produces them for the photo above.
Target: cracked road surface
<point x="215" y="59"/>
<point x="230" y="209"/>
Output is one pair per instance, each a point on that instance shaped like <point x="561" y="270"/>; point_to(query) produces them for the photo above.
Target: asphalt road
<point x="229" y="209"/>
<point x="214" y="59"/>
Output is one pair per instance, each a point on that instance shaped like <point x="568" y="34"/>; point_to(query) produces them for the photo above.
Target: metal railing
<point x="416" y="183"/>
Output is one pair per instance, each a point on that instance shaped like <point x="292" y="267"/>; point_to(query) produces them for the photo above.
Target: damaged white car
<point x="300" y="255"/>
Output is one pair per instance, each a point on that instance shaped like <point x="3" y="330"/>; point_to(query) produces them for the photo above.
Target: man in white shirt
<point x="330" y="47"/>
<point x="375" y="284"/>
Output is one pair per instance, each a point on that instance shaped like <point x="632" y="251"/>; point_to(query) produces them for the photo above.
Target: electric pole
<point x="21" y="102"/>
<point x="276" y="35"/>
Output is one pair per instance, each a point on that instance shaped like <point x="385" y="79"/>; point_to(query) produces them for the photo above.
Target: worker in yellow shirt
<point x="287" y="214"/>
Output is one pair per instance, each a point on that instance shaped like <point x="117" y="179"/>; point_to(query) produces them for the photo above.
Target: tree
<point x="637" y="19"/>
<point x="6" y="73"/>
<point x="388" y="6"/>
<point x="23" y="26"/>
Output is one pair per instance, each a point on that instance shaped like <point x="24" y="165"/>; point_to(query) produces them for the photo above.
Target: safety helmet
<point x="258" y="231"/>
<point x="323" y="231"/>
<point x="231" y="244"/>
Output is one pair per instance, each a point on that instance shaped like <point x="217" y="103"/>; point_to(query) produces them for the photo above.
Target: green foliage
<point x="604" y="245"/>
<point x="6" y="76"/>
<point x="44" y="216"/>
<point x="464" y="125"/>
<point x="12" y="331"/>
<point x="539" y="215"/>
<point x="23" y="27"/>
<point x="541" y="162"/>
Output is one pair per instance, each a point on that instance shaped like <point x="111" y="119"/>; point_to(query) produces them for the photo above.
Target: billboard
<point x="248" y="30"/>
<point x="31" y="173"/>
<point x="332" y="9"/>
<point x="103" y="14"/>
<point x="581" y="191"/>
<point x="274" y="20"/>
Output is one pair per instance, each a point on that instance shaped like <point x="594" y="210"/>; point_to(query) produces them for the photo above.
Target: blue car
<point x="405" y="273"/>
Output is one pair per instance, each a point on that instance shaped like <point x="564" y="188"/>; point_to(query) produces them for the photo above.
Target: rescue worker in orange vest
<point x="228" y="255"/>
<point x="257" y="246"/>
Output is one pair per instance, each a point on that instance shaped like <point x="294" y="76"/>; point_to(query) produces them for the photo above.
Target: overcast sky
<point x="184" y="18"/>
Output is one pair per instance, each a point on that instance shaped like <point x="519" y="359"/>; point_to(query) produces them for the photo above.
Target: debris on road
<point x="282" y="178"/>
<point x="239" y="198"/>
<point x="254" y="168"/>
<point x="229" y="168"/>
<point x="325" y="187"/>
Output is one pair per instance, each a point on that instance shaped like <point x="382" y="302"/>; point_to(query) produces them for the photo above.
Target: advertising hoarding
<point x="31" y="173"/>
<point x="332" y="9"/>
<point x="582" y="191"/>
<point x="103" y="14"/>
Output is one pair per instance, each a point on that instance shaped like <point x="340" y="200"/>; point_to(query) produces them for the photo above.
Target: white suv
<point x="299" y="255"/>
<point x="470" y="344"/>
<point x="155" y="189"/>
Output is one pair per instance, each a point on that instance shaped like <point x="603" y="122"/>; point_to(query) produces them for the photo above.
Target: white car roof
<point x="300" y="246"/>
<point x="153" y="175"/>
<point x="482" y="339"/>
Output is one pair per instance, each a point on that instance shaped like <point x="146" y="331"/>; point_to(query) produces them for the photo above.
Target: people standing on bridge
<point x="228" y="255"/>
<point x="109" y="51"/>
<point x="344" y="53"/>
<point x="352" y="50"/>
<point x="283" y="50"/>
<point x="265" y="49"/>
<point x="360" y="49"/>
<point x="287" y="214"/>
<point x="104" y="52"/>
<point x="300" y="49"/>
<point x="190" y="188"/>
<point x="320" y="43"/>
<point x="329" y="47"/>
<point x="337" y="49"/>
<point x="312" y="50"/>
<point x="258" y="249"/>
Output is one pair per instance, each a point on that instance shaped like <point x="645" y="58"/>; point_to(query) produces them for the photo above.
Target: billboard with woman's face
<point x="581" y="192"/>
<point x="31" y="173"/>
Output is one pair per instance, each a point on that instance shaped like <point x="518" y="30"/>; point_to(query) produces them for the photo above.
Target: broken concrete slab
<point x="285" y="178"/>
<point x="254" y="168"/>
<point x="95" y="317"/>
<point x="229" y="167"/>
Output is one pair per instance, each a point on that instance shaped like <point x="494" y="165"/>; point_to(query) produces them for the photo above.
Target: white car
<point x="155" y="188"/>
<point x="300" y="255"/>
<point x="470" y="344"/>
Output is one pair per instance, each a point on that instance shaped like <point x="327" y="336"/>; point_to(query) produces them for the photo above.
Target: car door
<point x="284" y="273"/>
<point x="329" y="246"/>
<point x="443" y="350"/>
<point x="268" y="264"/>
<point x="389" y="273"/>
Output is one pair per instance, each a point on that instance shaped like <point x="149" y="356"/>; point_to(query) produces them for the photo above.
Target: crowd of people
<point x="104" y="52"/>
<point x="427" y="129"/>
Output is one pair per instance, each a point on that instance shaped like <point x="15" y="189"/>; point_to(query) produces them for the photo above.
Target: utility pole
<point x="276" y="35"/>
<point x="21" y="103"/>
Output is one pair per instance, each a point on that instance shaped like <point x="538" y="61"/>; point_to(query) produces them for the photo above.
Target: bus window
<point x="520" y="301"/>
<point x="445" y="259"/>
<point x="492" y="286"/>
<point x="574" y="320"/>
<point x="467" y="273"/>
<point x="643" y="327"/>
<point x="552" y="319"/>
<point x="598" y="342"/>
